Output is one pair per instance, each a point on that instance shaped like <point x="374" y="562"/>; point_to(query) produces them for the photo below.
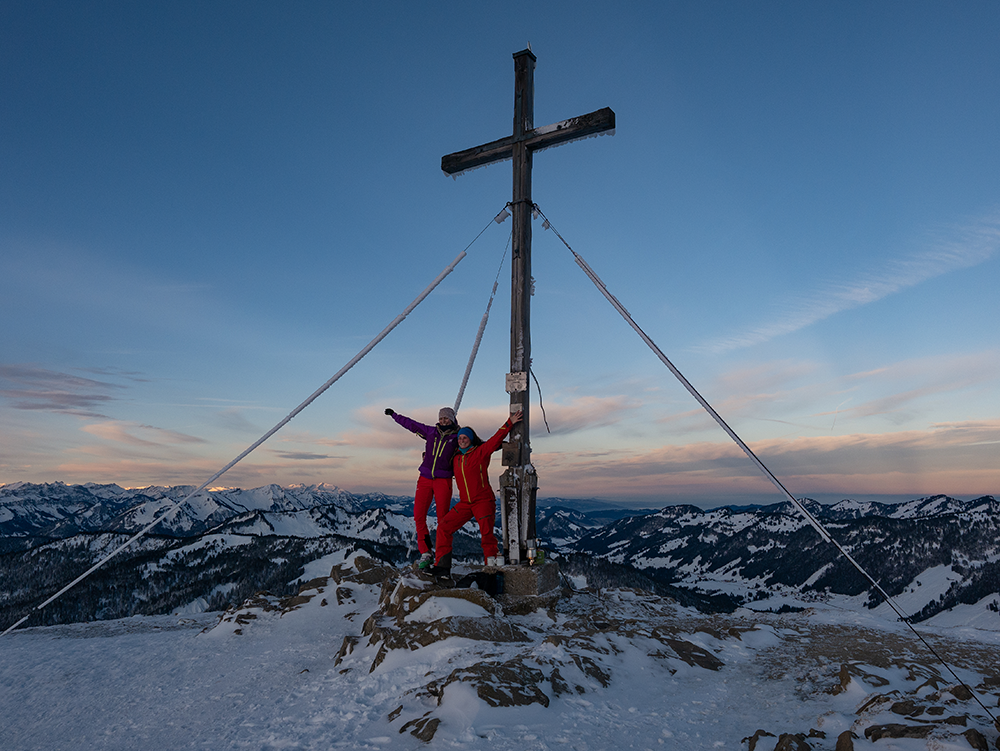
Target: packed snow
<point x="591" y="669"/>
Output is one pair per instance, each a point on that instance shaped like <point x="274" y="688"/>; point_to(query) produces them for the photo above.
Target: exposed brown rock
<point x="792" y="742"/>
<point x="364" y="571"/>
<point x="692" y="654"/>
<point x="892" y="730"/>
<point x="559" y="686"/>
<point x="849" y="671"/>
<point x="388" y="635"/>
<point x="506" y="684"/>
<point x="589" y="667"/>
<point x="976" y="739"/>
<point x="845" y="741"/>
<point x="295" y="601"/>
<point x="960" y="692"/>
<point x="843" y="680"/>
<point x="346" y="647"/>
<point x="756" y="737"/>
<point x="306" y="592"/>
<point x="422" y="728"/>
<point x="875" y="704"/>
<point x="317" y="583"/>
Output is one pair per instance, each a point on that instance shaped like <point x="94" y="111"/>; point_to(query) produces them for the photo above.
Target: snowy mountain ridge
<point x="940" y="555"/>
<point x="56" y="510"/>
<point x="938" y="552"/>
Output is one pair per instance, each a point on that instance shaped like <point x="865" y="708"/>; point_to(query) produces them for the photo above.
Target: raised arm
<point x="412" y="425"/>
<point x="494" y="443"/>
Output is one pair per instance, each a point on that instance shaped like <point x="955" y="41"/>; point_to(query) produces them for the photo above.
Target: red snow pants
<point x="439" y="489"/>
<point x="484" y="511"/>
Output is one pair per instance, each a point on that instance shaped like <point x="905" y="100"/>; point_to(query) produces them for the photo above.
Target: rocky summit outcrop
<point x="572" y="648"/>
<point x="432" y="654"/>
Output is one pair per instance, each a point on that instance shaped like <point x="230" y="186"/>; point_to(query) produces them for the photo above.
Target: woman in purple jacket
<point x="435" y="473"/>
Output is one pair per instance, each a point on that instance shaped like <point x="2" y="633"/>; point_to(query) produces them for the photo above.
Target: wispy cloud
<point x="964" y="247"/>
<point x="135" y="455"/>
<point x="303" y="456"/>
<point x="810" y="397"/>
<point x="583" y="413"/>
<point x="234" y="419"/>
<point x="925" y="377"/>
<point x="32" y="388"/>
<point x="136" y="434"/>
<point x="573" y="415"/>
<point x="130" y="375"/>
<point x="124" y="460"/>
<point x="958" y="458"/>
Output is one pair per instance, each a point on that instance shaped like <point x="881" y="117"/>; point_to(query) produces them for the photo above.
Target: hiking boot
<point x="439" y="572"/>
<point x="443" y="567"/>
<point x="426" y="561"/>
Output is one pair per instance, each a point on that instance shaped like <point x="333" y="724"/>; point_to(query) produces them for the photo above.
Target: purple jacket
<point x="440" y="447"/>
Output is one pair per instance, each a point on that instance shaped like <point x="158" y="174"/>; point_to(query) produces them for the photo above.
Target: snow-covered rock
<point x="367" y="656"/>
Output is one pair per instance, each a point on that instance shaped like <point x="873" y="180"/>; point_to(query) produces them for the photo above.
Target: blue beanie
<point x="468" y="433"/>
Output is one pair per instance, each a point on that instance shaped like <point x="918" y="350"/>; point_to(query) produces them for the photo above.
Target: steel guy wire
<point x="809" y="517"/>
<point x="486" y="316"/>
<point x="177" y="505"/>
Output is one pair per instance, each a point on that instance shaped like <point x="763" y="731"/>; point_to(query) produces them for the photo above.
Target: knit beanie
<point x="449" y="413"/>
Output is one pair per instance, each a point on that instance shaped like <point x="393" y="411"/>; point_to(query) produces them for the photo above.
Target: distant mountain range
<point x="935" y="555"/>
<point x="56" y="510"/>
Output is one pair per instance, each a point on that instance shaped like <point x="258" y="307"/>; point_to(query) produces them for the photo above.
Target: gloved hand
<point x="389" y="411"/>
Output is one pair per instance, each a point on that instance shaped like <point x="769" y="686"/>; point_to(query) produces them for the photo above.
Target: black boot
<point x="442" y="569"/>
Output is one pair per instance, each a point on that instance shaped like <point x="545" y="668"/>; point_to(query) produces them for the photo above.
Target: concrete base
<point x="527" y="588"/>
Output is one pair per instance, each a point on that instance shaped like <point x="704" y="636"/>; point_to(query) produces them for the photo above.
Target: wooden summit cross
<point x="519" y="483"/>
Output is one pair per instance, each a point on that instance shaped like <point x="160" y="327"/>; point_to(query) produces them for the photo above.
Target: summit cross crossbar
<point x="519" y="483"/>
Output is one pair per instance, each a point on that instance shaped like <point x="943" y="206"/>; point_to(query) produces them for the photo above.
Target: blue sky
<point x="206" y="209"/>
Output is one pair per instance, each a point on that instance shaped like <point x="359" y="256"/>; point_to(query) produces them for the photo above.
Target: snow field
<point x="267" y="677"/>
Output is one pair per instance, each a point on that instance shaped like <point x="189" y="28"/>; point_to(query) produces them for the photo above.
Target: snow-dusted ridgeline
<point x="938" y="556"/>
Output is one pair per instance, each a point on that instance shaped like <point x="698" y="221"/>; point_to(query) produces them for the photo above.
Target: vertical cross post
<point x="518" y="487"/>
<point x="519" y="482"/>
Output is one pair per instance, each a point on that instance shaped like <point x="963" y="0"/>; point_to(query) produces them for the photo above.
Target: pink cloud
<point x="954" y="458"/>
<point x="378" y="431"/>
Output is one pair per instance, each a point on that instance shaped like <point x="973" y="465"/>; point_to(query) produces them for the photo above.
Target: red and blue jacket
<point x="472" y="468"/>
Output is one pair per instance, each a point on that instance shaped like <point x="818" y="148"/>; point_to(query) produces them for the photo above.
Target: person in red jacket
<point x="475" y="496"/>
